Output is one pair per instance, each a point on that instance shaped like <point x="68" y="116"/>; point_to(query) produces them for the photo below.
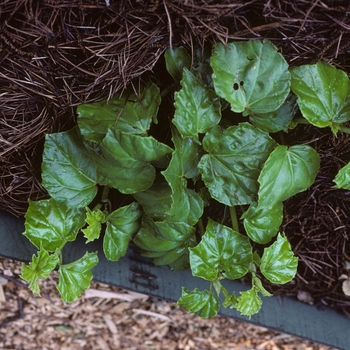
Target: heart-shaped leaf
<point x="68" y="170"/>
<point x="176" y="59"/>
<point x="232" y="166"/>
<point x="252" y="75"/>
<point x="249" y="302"/>
<point x="221" y="251"/>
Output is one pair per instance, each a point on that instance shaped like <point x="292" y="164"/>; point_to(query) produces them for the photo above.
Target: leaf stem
<point x="234" y="220"/>
<point x="105" y="193"/>
<point x="201" y="227"/>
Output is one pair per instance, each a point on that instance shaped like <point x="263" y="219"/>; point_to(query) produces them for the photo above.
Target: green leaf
<point x="122" y="224"/>
<point x="166" y="242"/>
<point x="221" y="251"/>
<point x="287" y="172"/>
<point x="198" y="108"/>
<point x="277" y="120"/>
<point x="230" y="299"/>
<point x="129" y="112"/>
<point x="94" y="219"/>
<point x="176" y="60"/>
<point x="232" y="166"/>
<point x="126" y="160"/>
<point x="40" y="267"/>
<point x="323" y="94"/>
<point x="75" y="277"/>
<point x="203" y="303"/>
<point x="50" y="224"/>
<point x="249" y="303"/>
<point x="68" y="170"/>
<point x="187" y="205"/>
<point x="342" y="179"/>
<point x="262" y="224"/>
<point x="251" y="75"/>
<point x="278" y="263"/>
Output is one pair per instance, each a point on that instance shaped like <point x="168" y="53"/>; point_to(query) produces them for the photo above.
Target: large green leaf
<point x="221" y="251"/>
<point x="252" y="75"/>
<point x="75" y="277"/>
<point x="166" y="242"/>
<point x="50" y="224"/>
<point x="287" y="172"/>
<point x="342" y="179"/>
<point x="323" y="94"/>
<point x="198" y="108"/>
<point x="232" y="166"/>
<point x="262" y="224"/>
<point x="176" y="60"/>
<point x="278" y="263"/>
<point x="122" y="224"/>
<point x="129" y="112"/>
<point x="279" y="119"/>
<point x="203" y="303"/>
<point x="68" y="170"/>
<point x="126" y="161"/>
<point x="187" y="205"/>
<point x="40" y="267"/>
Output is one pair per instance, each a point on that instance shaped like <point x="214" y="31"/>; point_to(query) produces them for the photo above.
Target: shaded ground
<point x="110" y="318"/>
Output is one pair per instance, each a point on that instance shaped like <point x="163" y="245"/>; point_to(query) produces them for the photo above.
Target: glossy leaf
<point x="203" y="303"/>
<point x="126" y="161"/>
<point x="262" y="224"/>
<point x="176" y="59"/>
<point x="129" y="112"/>
<point x="278" y="263"/>
<point x="287" y="172"/>
<point x="279" y="119"/>
<point x="249" y="302"/>
<point x="232" y="166"/>
<point x="197" y="108"/>
<point x="68" y="170"/>
<point x="323" y="94"/>
<point x="187" y="205"/>
<point x="94" y="219"/>
<point x="122" y="224"/>
<point x="75" y="277"/>
<point x="222" y="251"/>
<point x="342" y="179"/>
<point x="252" y="75"/>
<point x="50" y="225"/>
<point x="41" y="266"/>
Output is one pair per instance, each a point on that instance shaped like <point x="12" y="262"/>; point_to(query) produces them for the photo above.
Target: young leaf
<point x="40" y="267"/>
<point x="249" y="303"/>
<point x="278" y="263"/>
<point x="252" y="75"/>
<point x="232" y="166"/>
<point x="342" y="179"/>
<point x="277" y="120"/>
<point x="287" y="172"/>
<point x="197" y="107"/>
<point x="262" y="224"/>
<point x="122" y="224"/>
<point x="323" y="94"/>
<point x="221" y="251"/>
<point x="187" y="205"/>
<point x="75" y="277"/>
<point x="94" y="219"/>
<point x="130" y="113"/>
<point x="203" y="303"/>
<point x="126" y="162"/>
<point x="50" y="224"/>
<point x="175" y="61"/>
<point x="230" y="299"/>
<point x="68" y="170"/>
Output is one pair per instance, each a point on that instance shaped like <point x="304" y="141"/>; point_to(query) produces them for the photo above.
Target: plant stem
<point x="105" y="193"/>
<point x="301" y="121"/>
<point x="201" y="227"/>
<point x="234" y="220"/>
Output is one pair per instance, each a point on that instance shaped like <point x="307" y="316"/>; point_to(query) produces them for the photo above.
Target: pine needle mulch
<point x="108" y="318"/>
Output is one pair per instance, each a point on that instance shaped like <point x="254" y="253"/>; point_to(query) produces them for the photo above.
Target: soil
<point x="107" y="318"/>
<point x="48" y="62"/>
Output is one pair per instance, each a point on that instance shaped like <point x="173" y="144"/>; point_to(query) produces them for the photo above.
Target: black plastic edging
<point x="321" y="325"/>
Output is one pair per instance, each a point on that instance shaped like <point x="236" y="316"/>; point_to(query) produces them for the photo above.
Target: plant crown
<point x="210" y="160"/>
